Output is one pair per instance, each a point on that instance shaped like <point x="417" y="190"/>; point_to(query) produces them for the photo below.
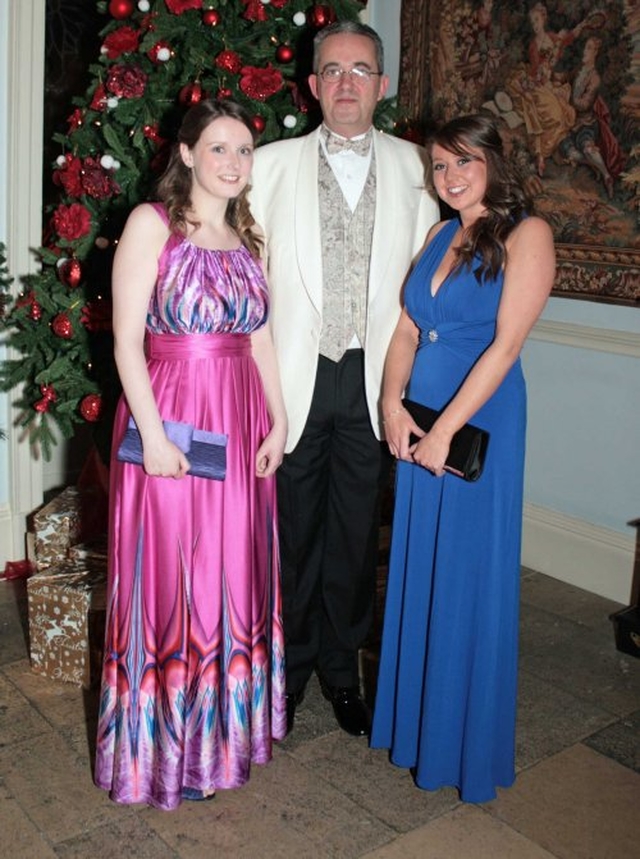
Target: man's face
<point x="348" y="103"/>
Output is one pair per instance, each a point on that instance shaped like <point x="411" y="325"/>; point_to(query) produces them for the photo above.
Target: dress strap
<point x="160" y="209"/>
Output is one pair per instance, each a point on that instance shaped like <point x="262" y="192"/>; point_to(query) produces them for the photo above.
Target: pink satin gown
<point x="193" y="680"/>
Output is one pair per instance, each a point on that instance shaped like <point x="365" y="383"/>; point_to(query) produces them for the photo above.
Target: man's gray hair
<point x="354" y="28"/>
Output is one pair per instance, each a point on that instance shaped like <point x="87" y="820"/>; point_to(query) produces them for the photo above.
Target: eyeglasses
<point x="359" y="75"/>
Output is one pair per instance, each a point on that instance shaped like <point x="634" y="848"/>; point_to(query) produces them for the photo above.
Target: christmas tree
<point x="156" y="59"/>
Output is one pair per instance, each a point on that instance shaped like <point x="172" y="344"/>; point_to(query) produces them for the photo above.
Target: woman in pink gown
<point x="193" y="679"/>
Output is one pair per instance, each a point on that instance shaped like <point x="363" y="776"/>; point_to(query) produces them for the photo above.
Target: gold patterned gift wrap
<point x="57" y="525"/>
<point x="66" y="621"/>
<point x="73" y="515"/>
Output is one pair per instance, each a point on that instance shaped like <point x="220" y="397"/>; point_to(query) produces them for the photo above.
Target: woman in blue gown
<point x="446" y="698"/>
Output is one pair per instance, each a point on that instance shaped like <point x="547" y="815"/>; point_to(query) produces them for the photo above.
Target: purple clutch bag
<point x="206" y="451"/>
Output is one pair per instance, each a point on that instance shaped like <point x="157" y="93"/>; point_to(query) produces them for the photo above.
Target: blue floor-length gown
<point x="446" y="697"/>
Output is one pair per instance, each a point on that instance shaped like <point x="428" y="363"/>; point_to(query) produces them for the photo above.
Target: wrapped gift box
<point x="92" y="552"/>
<point x="57" y="525"/>
<point x="72" y="516"/>
<point x="66" y="621"/>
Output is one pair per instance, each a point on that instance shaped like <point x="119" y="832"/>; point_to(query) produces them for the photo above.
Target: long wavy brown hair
<point x="174" y="186"/>
<point x="483" y="248"/>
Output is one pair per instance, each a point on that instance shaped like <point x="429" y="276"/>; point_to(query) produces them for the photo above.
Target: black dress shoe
<point x="351" y="712"/>
<point x="292" y="700"/>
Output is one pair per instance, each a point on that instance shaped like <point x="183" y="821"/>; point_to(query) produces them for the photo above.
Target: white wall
<point x="384" y="17"/>
<point x="21" y="82"/>
<point x="582" y="488"/>
<point x="4" y="417"/>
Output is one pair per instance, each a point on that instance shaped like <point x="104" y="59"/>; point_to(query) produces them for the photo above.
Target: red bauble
<point x="258" y="123"/>
<point x="61" y="326"/>
<point x="70" y="272"/>
<point x="191" y="93"/>
<point x="224" y="92"/>
<point x="284" y="54"/>
<point x="211" y="17"/>
<point x="91" y="407"/>
<point x="120" y="9"/>
<point x="322" y="15"/>
<point x="230" y="61"/>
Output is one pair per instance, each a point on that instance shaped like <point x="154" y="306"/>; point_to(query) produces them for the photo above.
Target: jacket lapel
<point x="307" y="220"/>
<point x="386" y="221"/>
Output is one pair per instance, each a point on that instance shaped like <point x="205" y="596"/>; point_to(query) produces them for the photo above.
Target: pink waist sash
<point x="187" y="347"/>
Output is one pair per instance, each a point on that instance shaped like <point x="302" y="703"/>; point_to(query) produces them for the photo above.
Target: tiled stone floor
<point x="325" y="794"/>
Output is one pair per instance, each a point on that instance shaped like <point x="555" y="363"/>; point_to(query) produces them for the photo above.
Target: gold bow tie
<point x="343" y="144"/>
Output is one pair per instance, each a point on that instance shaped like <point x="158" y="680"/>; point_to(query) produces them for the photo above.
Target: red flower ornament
<point x="99" y="100"/>
<point x="177" y="7"/>
<point x="124" y="40"/>
<point x="75" y="120"/>
<point x="260" y="83"/>
<point x="97" y="315"/>
<point x="255" y="11"/>
<point x="71" y="222"/>
<point x="96" y="181"/>
<point x="126" y="81"/>
<point x="69" y="175"/>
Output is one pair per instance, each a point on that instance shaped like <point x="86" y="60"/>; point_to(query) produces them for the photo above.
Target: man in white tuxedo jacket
<point x="344" y="211"/>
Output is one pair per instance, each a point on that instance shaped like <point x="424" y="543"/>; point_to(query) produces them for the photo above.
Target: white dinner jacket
<point x="284" y="202"/>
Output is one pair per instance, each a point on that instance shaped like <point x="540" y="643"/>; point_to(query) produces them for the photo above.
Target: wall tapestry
<point x="563" y="80"/>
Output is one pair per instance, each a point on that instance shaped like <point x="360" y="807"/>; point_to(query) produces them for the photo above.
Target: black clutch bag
<point x="206" y="451"/>
<point x="468" y="446"/>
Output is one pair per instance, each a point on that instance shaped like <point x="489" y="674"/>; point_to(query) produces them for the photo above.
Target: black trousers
<point x="328" y="505"/>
